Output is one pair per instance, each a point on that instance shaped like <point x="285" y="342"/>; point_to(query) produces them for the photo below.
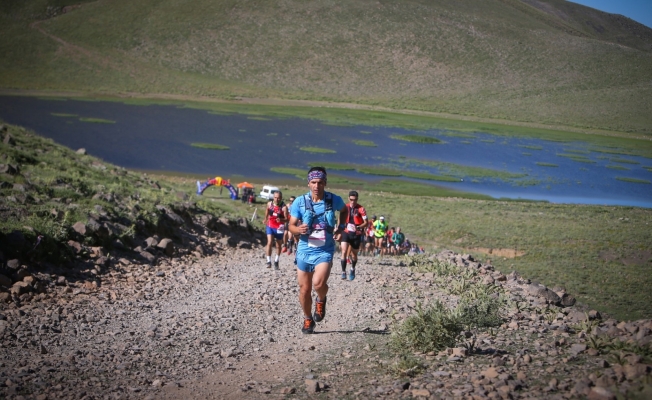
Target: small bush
<point x="422" y="263"/>
<point x="432" y="329"/>
<point x="483" y="311"/>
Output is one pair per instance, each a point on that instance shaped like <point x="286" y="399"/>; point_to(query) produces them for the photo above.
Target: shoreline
<point x="319" y="104"/>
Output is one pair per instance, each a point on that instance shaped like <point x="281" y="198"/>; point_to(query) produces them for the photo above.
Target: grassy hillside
<point x="545" y="61"/>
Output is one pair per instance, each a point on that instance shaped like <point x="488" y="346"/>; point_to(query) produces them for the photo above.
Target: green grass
<point x="461" y="171"/>
<point x="416" y="139"/>
<point x="317" y="150"/>
<point x="623" y="161"/>
<point x="620" y="151"/>
<point x="299" y="173"/>
<point x="366" y="132"/>
<point x="633" y="180"/>
<point x="649" y="169"/>
<point x="575" y="151"/>
<point x="366" y="143"/>
<point x="97" y="120"/>
<point x="576" y="157"/>
<point x="545" y="164"/>
<point x="63" y="115"/>
<point x="531" y="147"/>
<point x="618" y="167"/>
<point x="210" y="146"/>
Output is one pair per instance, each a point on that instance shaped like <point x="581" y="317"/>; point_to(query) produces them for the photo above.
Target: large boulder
<point x="167" y="246"/>
<point x="543" y="292"/>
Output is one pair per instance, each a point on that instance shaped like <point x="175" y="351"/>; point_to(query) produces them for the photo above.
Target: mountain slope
<point x="543" y="61"/>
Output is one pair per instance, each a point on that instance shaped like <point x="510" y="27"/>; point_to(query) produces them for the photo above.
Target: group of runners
<point x="310" y="226"/>
<point x="382" y="240"/>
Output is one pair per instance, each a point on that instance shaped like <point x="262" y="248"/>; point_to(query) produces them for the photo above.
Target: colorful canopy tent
<point x="217" y="181"/>
<point x="245" y="185"/>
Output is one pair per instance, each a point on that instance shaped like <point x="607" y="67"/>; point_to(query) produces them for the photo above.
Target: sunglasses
<point x="353" y="199"/>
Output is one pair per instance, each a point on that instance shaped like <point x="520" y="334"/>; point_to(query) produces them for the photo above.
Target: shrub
<point x="483" y="311"/>
<point x="432" y="329"/>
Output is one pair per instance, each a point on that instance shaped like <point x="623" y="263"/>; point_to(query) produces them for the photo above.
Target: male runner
<point x="313" y="216"/>
<point x="353" y="232"/>
<point x="380" y="229"/>
<point x="275" y="217"/>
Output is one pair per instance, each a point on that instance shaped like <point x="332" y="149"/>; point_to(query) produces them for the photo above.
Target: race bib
<point x="350" y="227"/>
<point x="280" y="229"/>
<point x="317" y="238"/>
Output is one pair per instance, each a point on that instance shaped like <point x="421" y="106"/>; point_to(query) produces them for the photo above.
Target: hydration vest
<point x="272" y="206"/>
<point x="309" y="213"/>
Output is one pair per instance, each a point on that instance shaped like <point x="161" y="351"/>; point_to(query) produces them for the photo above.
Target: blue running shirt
<point x="320" y="242"/>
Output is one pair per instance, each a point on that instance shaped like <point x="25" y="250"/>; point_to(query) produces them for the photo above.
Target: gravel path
<point x="226" y="327"/>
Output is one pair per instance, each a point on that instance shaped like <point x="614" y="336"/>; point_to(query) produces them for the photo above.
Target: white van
<point x="268" y="192"/>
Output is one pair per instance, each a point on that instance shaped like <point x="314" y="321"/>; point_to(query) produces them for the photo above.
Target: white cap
<point x="381" y="217"/>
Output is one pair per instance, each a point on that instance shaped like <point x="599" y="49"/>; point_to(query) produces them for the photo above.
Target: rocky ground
<point x="224" y="326"/>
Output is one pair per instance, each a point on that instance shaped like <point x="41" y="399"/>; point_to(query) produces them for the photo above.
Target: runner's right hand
<point x="303" y="229"/>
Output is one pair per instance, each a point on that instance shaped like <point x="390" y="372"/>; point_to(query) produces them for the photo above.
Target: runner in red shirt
<point x="354" y="229"/>
<point x="275" y="217"/>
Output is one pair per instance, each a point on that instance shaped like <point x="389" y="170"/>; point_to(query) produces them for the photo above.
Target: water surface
<point x="159" y="137"/>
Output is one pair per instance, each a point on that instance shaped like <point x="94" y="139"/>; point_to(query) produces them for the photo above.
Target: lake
<point x="159" y="137"/>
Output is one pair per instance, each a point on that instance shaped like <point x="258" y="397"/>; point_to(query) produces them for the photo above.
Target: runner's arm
<point x="295" y="228"/>
<point x="284" y="214"/>
<point x="267" y="213"/>
<point x="365" y="222"/>
<point x="343" y="217"/>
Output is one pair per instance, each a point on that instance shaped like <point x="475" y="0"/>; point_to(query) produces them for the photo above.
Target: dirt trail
<point x="275" y="354"/>
<point x="75" y="50"/>
<point x="226" y="327"/>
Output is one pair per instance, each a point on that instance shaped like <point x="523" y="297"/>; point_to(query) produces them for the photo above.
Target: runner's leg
<point x="345" y="249"/>
<point x="320" y="279"/>
<point x="305" y="292"/>
<point x="279" y="242"/>
<point x="268" y="249"/>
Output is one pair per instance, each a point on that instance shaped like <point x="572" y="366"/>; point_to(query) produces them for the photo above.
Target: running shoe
<point x="269" y="264"/>
<point x="308" y="326"/>
<point x="343" y="276"/>
<point x="284" y="249"/>
<point x="320" y="310"/>
<point x="275" y="264"/>
<point x="352" y="274"/>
